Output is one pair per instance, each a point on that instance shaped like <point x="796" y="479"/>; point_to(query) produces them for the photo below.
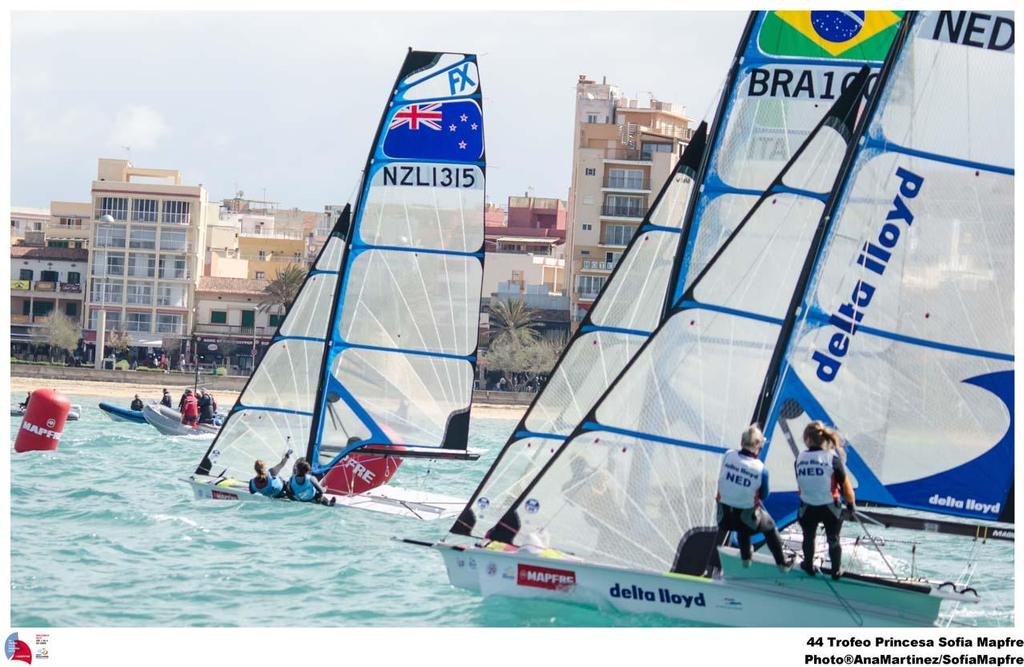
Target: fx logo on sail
<point x="459" y="79"/>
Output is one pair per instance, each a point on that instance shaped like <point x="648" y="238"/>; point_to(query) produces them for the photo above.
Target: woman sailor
<point x="820" y="474"/>
<point x="742" y="486"/>
<point x="266" y="482"/>
<point x="304" y="487"/>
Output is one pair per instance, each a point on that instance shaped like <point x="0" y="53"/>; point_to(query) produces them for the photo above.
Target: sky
<point x="284" y="105"/>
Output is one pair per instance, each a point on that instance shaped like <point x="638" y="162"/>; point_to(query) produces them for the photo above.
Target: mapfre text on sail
<point x="874" y="257"/>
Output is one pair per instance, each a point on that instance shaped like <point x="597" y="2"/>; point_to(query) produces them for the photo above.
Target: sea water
<point x="104" y="532"/>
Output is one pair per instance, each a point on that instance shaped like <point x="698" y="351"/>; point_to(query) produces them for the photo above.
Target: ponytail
<point x="819" y="436"/>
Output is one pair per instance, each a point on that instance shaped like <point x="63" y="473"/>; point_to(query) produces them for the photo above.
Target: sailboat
<point x="621" y="513"/>
<point x="375" y="359"/>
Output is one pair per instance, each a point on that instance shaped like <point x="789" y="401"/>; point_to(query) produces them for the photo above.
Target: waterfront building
<point x="44" y="280"/>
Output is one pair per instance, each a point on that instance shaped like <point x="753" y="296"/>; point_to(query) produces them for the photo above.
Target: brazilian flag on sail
<point x="842" y="35"/>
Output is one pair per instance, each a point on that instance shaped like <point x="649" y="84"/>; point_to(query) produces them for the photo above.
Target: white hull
<point x="168" y="421"/>
<point x="73" y="415"/>
<point x="758" y="596"/>
<point x="384" y="499"/>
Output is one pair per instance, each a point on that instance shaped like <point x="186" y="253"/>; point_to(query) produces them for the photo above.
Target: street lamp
<point x="106" y="217"/>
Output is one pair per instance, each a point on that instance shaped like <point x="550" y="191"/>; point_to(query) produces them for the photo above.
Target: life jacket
<point x="305" y="491"/>
<point x="191" y="407"/>
<point x="816" y="477"/>
<point x="739" y="480"/>
<point x="273" y="488"/>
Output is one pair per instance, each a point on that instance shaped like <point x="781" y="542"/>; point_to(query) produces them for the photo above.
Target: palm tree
<point x="513" y="322"/>
<point x="283" y="289"/>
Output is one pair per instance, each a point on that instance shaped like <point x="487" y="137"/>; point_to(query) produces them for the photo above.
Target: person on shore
<point x="266" y="482"/>
<point x="304" y="487"/>
<point x="207" y="406"/>
<point x="820" y="477"/>
<point x="166" y="399"/>
<point x="137" y="403"/>
<point x="742" y="487"/>
<point x="190" y="410"/>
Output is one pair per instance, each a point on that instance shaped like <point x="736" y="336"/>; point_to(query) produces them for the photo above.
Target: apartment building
<point x="28" y="225"/>
<point x="146" y="252"/>
<point x="622" y="154"/>
<point x="43" y="281"/>
<point x="231" y="328"/>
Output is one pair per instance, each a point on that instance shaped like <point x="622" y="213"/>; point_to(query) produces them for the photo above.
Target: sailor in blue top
<point x="266" y="482"/>
<point x="304" y="487"/>
<point x="742" y="486"/>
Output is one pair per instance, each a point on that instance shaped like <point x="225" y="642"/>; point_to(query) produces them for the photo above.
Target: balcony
<point x="624" y="155"/>
<point x="622" y="183"/>
<point x="119" y="214"/>
<point x="176" y="218"/>
<point x="45" y="286"/>
<point x="235" y="330"/>
<point x="618" y="211"/>
<point x="177" y="328"/>
<point x="586" y="295"/>
<point x="595" y="265"/>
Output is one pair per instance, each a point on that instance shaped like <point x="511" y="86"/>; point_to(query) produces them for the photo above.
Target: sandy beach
<point x="118" y="392"/>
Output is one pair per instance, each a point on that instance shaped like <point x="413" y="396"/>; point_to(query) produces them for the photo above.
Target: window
<point x="26" y="307"/>
<point x="144" y="210"/>
<point x="275" y="320"/>
<point x="74" y="278"/>
<point x="591" y="117"/>
<point x="589" y="286"/>
<point x="218" y="317"/>
<point x="172" y="266"/>
<point x="115" y="207"/>
<point x="105" y="263"/>
<point x="260" y="275"/>
<point x="71" y="222"/>
<point x="140" y="294"/>
<point x="110" y="236"/>
<point x="25" y="274"/>
<point x="71" y="309"/>
<point x="172" y="239"/>
<point x="517" y="277"/>
<point x="49" y="276"/>
<point x="106" y="291"/>
<point x="171" y="295"/>
<point x="297" y="256"/>
<point x="623" y="206"/>
<point x="176" y="212"/>
<point x="143" y="238"/>
<point x="139" y="322"/>
<point x="168" y="323"/>
<point x="262" y="254"/>
<point x="618" y="234"/>
<point x="631" y="179"/>
<point x="648" y="149"/>
<point x="590" y="171"/>
<point x="587" y="226"/>
<point x="141" y="265"/>
<point x="113" y="319"/>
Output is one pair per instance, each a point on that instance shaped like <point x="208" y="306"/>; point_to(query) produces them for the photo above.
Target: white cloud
<point x="138" y="127"/>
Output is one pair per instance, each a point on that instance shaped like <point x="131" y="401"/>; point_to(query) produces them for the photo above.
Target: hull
<point x="73" y="415"/>
<point x="384" y="499"/>
<point x="758" y="596"/>
<point x="168" y="421"/>
<point x="120" y="414"/>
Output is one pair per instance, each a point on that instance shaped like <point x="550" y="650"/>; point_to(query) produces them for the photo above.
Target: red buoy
<point x="43" y="423"/>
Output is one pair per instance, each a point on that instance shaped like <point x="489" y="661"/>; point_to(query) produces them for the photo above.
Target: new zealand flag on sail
<point x="437" y="131"/>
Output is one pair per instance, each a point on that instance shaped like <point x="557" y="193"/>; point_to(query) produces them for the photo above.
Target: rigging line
<point x="857" y="618"/>
<point x="874" y="543"/>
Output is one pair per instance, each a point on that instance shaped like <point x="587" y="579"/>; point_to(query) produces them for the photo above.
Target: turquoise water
<point x="105" y="533"/>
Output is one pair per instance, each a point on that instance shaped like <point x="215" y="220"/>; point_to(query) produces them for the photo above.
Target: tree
<point x="514" y="322"/>
<point x="60" y="333"/>
<point x="283" y="289"/>
<point x="118" y="340"/>
<point x="521" y="363"/>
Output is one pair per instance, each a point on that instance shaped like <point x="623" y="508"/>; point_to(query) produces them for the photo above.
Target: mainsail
<point x="378" y="350"/>
<point x="781" y="80"/>
<point x="905" y="342"/>
<point x="638" y="475"/>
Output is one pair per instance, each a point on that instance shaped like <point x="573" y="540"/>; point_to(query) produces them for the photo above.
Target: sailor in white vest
<point x="742" y="486"/>
<point x="820" y="475"/>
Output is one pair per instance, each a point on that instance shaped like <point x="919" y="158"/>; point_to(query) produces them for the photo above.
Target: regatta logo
<point x="15" y="649"/>
<point x="545" y="577"/>
<point x="874" y="257"/>
<point x="970" y="504"/>
<point x="459" y="77"/>
<point x="39" y="430"/>
<point x="662" y="596"/>
<point x="360" y="471"/>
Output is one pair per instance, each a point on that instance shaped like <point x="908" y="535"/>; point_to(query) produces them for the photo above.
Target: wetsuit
<point x="820" y="474"/>
<point x="742" y="485"/>
<point x="137" y="404"/>
<point x="205" y="409"/>
<point x="166" y="400"/>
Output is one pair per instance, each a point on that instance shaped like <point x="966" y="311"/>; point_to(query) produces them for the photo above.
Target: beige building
<point x="145" y="260"/>
<point x="28" y="225"/>
<point x="622" y="154"/>
<point x="70" y="224"/>
<point x="229" y="317"/>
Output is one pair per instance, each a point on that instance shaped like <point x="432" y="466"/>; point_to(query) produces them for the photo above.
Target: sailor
<point x="820" y="476"/>
<point x="136" y="403"/>
<point x="304" y="487"/>
<point x="189" y="409"/>
<point x="207" y="406"/>
<point x="267" y="482"/>
<point x="166" y="399"/>
<point x="742" y="486"/>
<point x="24" y="404"/>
